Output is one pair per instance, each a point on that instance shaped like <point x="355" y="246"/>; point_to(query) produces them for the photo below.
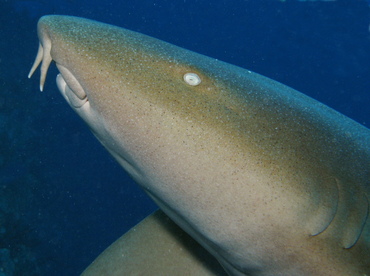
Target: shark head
<point x="155" y="90"/>
<point x="266" y="179"/>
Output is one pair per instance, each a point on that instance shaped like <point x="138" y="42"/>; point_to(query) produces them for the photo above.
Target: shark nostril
<point x="43" y="57"/>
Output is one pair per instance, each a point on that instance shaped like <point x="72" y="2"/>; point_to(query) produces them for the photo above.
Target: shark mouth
<point x="68" y="85"/>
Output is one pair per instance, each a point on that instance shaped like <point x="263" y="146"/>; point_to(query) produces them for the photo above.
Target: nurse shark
<point x="266" y="179"/>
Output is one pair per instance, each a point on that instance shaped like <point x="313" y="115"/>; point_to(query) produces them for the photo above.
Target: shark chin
<point x="259" y="178"/>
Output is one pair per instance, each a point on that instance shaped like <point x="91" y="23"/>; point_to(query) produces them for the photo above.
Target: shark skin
<point x="266" y="179"/>
<point x="156" y="246"/>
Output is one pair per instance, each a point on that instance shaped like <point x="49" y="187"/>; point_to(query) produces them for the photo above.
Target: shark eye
<point x="192" y="79"/>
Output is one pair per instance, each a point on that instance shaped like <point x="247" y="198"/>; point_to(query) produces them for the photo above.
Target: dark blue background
<point x="62" y="197"/>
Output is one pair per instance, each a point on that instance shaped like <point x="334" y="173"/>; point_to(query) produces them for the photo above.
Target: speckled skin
<point x="156" y="246"/>
<point x="268" y="180"/>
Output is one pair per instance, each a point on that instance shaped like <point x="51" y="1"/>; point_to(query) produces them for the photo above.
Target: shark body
<point x="156" y="246"/>
<point x="266" y="179"/>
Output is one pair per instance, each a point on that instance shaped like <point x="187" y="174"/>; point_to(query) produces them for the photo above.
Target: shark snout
<point x="68" y="85"/>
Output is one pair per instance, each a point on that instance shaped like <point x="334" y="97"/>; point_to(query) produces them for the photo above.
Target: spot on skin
<point x="192" y="79"/>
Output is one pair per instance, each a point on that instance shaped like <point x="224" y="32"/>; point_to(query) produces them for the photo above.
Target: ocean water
<point x="63" y="199"/>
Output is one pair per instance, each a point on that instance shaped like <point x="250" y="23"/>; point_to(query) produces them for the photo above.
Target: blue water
<point x="62" y="197"/>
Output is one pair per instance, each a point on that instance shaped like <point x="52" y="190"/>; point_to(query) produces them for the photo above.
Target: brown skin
<point x="269" y="181"/>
